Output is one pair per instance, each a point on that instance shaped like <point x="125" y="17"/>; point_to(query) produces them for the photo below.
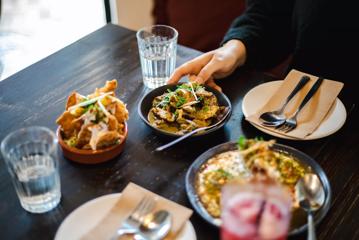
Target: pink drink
<point x="255" y="211"/>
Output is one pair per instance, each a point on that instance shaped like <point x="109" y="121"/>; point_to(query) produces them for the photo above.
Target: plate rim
<point x="99" y="198"/>
<point x="310" y="137"/>
<point x="204" y="157"/>
<point x="144" y="119"/>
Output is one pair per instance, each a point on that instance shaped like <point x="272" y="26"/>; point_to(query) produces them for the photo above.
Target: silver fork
<point x="131" y="224"/>
<point x="291" y="123"/>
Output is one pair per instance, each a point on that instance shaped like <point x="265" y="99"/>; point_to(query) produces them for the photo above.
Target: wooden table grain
<point x="37" y="95"/>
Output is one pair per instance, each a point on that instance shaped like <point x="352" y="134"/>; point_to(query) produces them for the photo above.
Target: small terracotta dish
<point x="90" y="156"/>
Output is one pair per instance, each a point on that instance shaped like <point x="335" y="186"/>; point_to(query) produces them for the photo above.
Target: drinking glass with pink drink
<point x="255" y="211"/>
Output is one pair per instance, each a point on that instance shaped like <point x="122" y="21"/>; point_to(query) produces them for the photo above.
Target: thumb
<point x="212" y="84"/>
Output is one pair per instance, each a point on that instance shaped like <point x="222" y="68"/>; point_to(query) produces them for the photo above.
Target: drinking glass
<point x="258" y="211"/>
<point x="157" y="46"/>
<point x="31" y="159"/>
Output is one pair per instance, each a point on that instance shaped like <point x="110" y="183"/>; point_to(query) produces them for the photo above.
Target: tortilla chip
<point x="112" y="123"/>
<point x="84" y="136"/>
<point x="65" y="121"/>
<point x="100" y="131"/>
<point x="73" y="99"/>
<point x="105" y="139"/>
<point x="121" y="112"/>
<point x="110" y="86"/>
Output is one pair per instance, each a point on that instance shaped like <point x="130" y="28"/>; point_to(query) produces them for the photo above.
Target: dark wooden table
<point x="37" y="95"/>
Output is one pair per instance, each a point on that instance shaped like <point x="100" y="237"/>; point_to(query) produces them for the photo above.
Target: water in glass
<point x="38" y="184"/>
<point x="30" y="155"/>
<point x="157" y="48"/>
<point x="157" y="68"/>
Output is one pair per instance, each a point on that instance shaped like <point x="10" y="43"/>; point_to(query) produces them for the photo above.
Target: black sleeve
<point x="265" y="30"/>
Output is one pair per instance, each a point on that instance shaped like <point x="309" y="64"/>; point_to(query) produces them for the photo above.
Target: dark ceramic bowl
<point x="300" y="156"/>
<point x="145" y="105"/>
<point x="90" y="156"/>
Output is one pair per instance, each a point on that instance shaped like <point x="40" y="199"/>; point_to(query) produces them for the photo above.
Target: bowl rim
<point x="88" y="151"/>
<point x="145" y="120"/>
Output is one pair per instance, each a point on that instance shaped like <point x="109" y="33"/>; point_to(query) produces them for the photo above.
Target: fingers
<point x="212" y="84"/>
<point x="192" y="78"/>
<point x="192" y="67"/>
<point x="208" y="70"/>
<point x="176" y="76"/>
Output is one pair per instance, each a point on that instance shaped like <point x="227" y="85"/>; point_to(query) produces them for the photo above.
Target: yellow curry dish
<point x="95" y="121"/>
<point x="188" y="107"/>
<point x="252" y="160"/>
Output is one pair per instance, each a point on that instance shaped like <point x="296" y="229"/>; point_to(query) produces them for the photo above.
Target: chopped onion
<point x="194" y="94"/>
<point x="115" y="99"/>
<point x="102" y="107"/>
<point x="189" y="104"/>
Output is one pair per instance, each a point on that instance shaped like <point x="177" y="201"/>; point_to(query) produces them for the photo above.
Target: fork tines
<point x="144" y="207"/>
<point x="287" y="126"/>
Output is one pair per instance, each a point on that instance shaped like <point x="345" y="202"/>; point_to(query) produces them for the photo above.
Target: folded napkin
<point x="313" y="112"/>
<point x="126" y="203"/>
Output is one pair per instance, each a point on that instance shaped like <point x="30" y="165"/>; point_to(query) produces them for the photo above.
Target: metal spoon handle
<point x="310" y="94"/>
<point x="163" y="147"/>
<point x="297" y="88"/>
<point x="228" y="110"/>
<point x="123" y="231"/>
<point x="311" y="227"/>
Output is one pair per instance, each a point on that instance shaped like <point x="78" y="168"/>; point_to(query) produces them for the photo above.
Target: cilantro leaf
<point x="181" y="101"/>
<point x="242" y="142"/>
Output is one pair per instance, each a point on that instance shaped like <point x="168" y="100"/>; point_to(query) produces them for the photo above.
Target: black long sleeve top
<point x="321" y="35"/>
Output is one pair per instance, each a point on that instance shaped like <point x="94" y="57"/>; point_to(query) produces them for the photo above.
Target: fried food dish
<point x="253" y="160"/>
<point x="95" y="121"/>
<point x="188" y="107"/>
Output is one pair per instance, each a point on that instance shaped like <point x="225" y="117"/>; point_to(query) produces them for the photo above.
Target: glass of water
<point x="157" y="46"/>
<point x="31" y="158"/>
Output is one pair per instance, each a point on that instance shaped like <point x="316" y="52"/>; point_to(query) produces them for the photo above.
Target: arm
<point x="265" y="30"/>
<point x="261" y="37"/>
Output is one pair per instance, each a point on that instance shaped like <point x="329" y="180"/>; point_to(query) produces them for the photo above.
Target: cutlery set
<point x="277" y="118"/>
<point x="145" y="224"/>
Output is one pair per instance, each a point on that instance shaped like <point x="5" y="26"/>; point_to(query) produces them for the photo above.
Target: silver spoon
<point x="155" y="226"/>
<point x="276" y="118"/>
<point x="222" y="118"/>
<point x="310" y="194"/>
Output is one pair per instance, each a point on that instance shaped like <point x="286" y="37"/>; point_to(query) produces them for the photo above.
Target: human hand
<point x="215" y="64"/>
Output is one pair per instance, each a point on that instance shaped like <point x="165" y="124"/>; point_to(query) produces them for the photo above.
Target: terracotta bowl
<point x="90" y="156"/>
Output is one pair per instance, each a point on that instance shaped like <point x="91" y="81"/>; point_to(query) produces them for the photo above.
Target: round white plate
<point x="85" y="217"/>
<point x="259" y="95"/>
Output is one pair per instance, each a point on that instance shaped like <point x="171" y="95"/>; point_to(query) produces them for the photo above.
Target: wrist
<point x="238" y="49"/>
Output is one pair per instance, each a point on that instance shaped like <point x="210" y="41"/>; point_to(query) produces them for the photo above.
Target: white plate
<point x="259" y="95"/>
<point x="85" y="217"/>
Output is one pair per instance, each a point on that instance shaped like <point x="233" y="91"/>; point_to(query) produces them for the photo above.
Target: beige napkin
<point x="128" y="200"/>
<point x="312" y="114"/>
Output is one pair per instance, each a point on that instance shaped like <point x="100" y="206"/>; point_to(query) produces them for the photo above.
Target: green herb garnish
<point x="242" y="142"/>
<point x="72" y="142"/>
<point x="166" y="99"/>
<point x="176" y="114"/>
<point x="224" y="173"/>
<point x="181" y="101"/>
<point x="185" y="87"/>
<point x="259" y="138"/>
